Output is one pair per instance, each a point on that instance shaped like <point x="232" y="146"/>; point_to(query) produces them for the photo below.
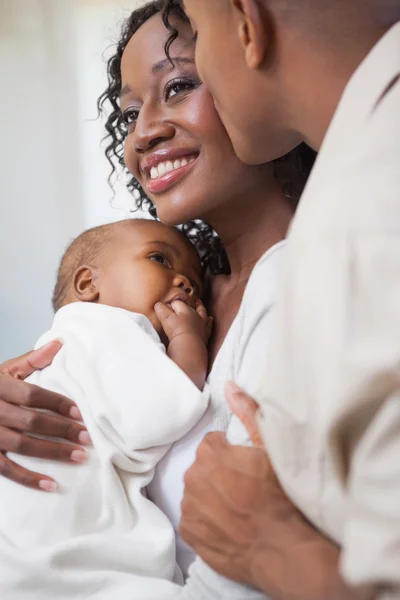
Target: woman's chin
<point x="172" y="215"/>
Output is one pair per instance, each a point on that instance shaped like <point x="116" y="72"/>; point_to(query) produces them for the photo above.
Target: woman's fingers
<point x="25" y="365"/>
<point x="39" y="423"/>
<point x="13" y="441"/>
<point x="246" y="409"/>
<point x="13" y="391"/>
<point x="18" y="474"/>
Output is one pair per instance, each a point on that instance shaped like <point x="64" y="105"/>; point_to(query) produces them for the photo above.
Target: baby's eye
<point x="160" y="258"/>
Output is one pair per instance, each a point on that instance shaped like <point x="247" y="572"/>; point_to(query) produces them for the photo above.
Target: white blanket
<point x="99" y="534"/>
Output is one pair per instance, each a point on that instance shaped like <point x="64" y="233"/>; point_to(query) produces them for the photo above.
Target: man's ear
<point x="252" y="31"/>
<point x="85" y="284"/>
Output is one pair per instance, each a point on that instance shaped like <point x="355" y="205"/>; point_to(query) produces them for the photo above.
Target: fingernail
<point x="233" y="389"/>
<point x="79" y="456"/>
<point x="85" y="439"/>
<point x="47" y="485"/>
<point x="75" y="413"/>
<point x="49" y="344"/>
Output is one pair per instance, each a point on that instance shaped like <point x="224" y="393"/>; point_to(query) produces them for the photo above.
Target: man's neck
<point x="254" y="225"/>
<point x="325" y="75"/>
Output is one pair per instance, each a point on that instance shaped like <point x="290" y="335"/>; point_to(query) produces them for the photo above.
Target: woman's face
<point x="177" y="147"/>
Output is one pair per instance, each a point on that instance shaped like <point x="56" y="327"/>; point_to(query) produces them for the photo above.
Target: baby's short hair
<point x="85" y="249"/>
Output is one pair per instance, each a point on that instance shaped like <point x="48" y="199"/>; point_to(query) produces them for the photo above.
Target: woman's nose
<point x="151" y="129"/>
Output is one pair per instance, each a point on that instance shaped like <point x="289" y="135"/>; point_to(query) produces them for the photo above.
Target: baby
<point x="134" y="359"/>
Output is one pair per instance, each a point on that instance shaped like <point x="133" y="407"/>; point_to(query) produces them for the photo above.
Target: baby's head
<point x="131" y="264"/>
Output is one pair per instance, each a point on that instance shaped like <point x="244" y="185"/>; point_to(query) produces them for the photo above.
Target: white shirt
<point x="241" y="358"/>
<point x="99" y="534"/>
<point x="331" y="390"/>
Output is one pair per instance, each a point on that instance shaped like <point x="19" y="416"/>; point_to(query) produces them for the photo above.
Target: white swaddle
<point x="99" y="534"/>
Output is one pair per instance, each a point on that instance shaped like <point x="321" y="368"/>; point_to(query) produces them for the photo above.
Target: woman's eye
<point x="175" y="87"/>
<point x="161" y="259"/>
<point x="130" y="116"/>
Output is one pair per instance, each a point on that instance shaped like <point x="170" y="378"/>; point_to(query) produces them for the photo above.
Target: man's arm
<point x="239" y="520"/>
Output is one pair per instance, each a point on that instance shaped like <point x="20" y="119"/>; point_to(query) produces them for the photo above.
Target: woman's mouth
<point x="167" y="173"/>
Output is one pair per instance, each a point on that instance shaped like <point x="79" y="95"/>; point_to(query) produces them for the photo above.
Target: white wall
<point x="40" y="183"/>
<point x="99" y="25"/>
<point x="53" y="173"/>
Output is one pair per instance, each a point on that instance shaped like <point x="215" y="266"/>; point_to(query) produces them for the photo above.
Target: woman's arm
<point x="19" y="420"/>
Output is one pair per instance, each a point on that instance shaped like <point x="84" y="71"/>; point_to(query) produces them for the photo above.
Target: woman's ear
<point x="252" y="31"/>
<point x="85" y="284"/>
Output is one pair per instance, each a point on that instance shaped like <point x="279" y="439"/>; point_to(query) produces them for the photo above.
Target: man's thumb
<point x="246" y="409"/>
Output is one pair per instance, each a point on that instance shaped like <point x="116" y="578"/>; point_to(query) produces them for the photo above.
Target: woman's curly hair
<point x="292" y="170"/>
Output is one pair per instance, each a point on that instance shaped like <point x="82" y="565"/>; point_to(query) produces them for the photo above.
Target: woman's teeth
<point x="166" y="167"/>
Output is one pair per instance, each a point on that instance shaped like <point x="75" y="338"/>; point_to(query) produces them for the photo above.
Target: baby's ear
<point x="84" y="284"/>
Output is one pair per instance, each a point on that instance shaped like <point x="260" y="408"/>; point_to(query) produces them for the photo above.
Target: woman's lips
<point x="163" y="182"/>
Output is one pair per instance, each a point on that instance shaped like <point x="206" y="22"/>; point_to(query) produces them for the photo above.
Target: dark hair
<point x="292" y="170"/>
<point x="86" y="248"/>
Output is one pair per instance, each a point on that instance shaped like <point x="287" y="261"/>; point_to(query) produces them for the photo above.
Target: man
<point x="327" y="72"/>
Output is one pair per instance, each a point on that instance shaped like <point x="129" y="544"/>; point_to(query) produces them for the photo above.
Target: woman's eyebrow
<point x="125" y="90"/>
<point x="166" y="62"/>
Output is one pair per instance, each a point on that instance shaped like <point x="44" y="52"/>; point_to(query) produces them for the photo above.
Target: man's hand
<point x="180" y="319"/>
<point x="237" y="517"/>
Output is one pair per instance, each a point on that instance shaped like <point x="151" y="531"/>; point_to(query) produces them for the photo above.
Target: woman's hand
<point x="237" y="517"/>
<point x="19" y="419"/>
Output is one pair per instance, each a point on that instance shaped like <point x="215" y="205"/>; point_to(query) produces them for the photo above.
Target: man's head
<point x="277" y="68"/>
<point x="131" y="264"/>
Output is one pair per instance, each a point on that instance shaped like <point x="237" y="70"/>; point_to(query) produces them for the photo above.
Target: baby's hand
<point x="179" y="319"/>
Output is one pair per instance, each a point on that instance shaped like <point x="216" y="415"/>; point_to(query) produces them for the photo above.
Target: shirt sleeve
<point x="144" y="400"/>
<point x="365" y="436"/>
<point x="365" y="432"/>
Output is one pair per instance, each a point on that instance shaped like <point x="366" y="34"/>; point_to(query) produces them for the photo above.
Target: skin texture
<point x="263" y="61"/>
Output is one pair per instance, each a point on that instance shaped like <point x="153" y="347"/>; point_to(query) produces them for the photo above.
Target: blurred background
<point x="53" y="173"/>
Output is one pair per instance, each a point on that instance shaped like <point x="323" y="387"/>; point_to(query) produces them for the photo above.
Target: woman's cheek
<point x="131" y="158"/>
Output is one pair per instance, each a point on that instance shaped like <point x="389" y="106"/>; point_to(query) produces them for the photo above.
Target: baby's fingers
<point x="163" y="312"/>
<point x="201" y="310"/>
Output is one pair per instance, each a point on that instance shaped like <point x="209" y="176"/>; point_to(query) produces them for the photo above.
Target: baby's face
<point x="149" y="263"/>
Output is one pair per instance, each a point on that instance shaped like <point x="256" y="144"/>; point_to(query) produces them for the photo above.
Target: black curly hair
<point x="292" y="170"/>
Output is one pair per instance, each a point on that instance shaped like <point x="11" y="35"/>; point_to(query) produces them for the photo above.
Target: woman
<point x="166" y="131"/>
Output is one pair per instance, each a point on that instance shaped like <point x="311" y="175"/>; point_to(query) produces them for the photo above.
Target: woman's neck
<point x="250" y="226"/>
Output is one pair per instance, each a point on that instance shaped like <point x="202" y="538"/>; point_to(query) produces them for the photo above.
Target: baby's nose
<point x="184" y="284"/>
